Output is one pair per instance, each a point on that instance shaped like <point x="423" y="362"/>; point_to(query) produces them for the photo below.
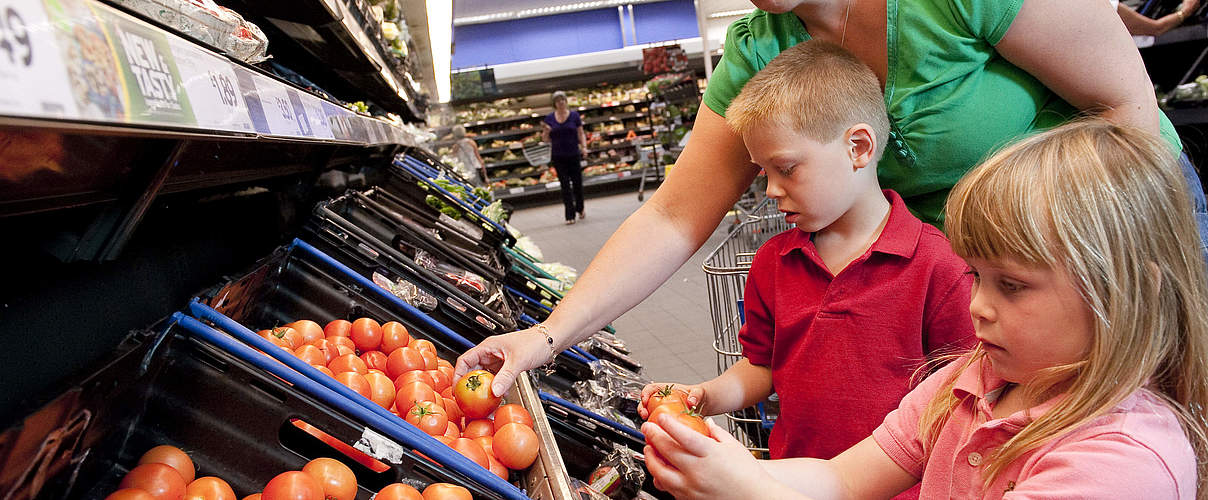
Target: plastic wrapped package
<point x="528" y="246"/>
<point x="563" y="272"/>
<point x="620" y="475"/>
<point x="246" y="43"/>
<point x="611" y="340"/>
<point x="603" y="350"/>
<point x="407" y="291"/>
<point x="585" y="491"/>
<point x="208" y="23"/>
<point x="613" y="392"/>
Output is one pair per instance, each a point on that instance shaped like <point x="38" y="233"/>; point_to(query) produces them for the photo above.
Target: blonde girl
<point x="1090" y="378"/>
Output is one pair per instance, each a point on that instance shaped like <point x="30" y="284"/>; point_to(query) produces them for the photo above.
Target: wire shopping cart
<point x="726" y="269"/>
<point x="538" y="153"/>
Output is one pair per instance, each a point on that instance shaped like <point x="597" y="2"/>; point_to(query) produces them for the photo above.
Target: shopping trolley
<point x="726" y="270"/>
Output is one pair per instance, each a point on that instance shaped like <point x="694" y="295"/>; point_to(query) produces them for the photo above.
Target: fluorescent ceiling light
<point x="545" y="11"/>
<point x="440" y="41"/>
<point x="730" y="13"/>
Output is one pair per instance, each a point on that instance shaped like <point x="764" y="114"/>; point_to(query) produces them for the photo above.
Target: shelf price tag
<point x="318" y="118"/>
<point x="278" y="108"/>
<point x="213" y="88"/>
<point x="516" y="190"/>
<point x="154" y="91"/>
<point x="33" y="78"/>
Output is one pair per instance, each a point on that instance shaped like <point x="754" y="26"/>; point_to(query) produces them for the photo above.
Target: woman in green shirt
<point x="961" y="77"/>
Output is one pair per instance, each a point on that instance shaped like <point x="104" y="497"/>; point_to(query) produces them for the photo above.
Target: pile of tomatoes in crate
<point x="388" y="366"/>
<point x="167" y="473"/>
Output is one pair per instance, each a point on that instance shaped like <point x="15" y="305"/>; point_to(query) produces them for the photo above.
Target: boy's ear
<point x="862" y="145"/>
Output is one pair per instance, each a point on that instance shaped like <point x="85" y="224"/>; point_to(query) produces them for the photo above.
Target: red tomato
<point x="354" y="381"/>
<point x="414" y="376"/>
<point x="447" y="393"/>
<point x="381" y="389"/>
<point x="443" y="362"/>
<point x="447" y="370"/>
<point x="347" y="346"/>
<point x="374" y="360"/>
<point x="277" y="340"/>
<point x="172" y="457"/>
<point x="328" y="348"/>
<point x="403" y="360"/>
<point x="379" y="372"/>
<point x="422" y="345"/>
<point x="293" y="485"/>
<point x="479" y="427"/>
<point x="311" y="331"/>
<point x="337" y="328"/>
<point x="348" y="363"/>
<point x="430" y="358"/>
<point x="428" y="417"/>
<point x="336" y="479"/>
<point x="209" y="488"/>
<point x="398" y="491"/>
<point x="667" y="394"/>
<point x="130" y="494"/>
<point x="473" y="394"/>
<point x="672" y="408"/>
<point x="515" y="446"/>
<point x="445" y="439"/>
<point x="452" y="409"/>
<point x="367" y="334"/>
<point x="497" y="468"/>
<point x="311" y="355"/>
<point x="394" y="336"/>
<point x="472" y="451"/>
<point x="510" y="413"/>
<point x="446" y="491"/>
<point x="161" y="481"/>
<point x="694" y="421"/>
<point x="487" y="443"/>
<point x="326" y="371"/>
<point x="452" y="431"/>
<point x="289" y="334"/>
<point x="439" y="380"/>
<point x="414" y="392"/>
<point x="253" y="496"/>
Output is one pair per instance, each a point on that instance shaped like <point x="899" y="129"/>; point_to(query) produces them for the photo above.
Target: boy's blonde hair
<point x="1108" y="205"/>
<point x="818" y="89"/>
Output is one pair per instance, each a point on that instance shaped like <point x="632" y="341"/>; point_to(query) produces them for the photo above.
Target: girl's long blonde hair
<point x="1107" y="204"/>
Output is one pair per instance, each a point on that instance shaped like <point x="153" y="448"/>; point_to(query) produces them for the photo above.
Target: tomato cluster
<point x="674" y="402"/>
<point x="402" y="373"/>
<point x="167" y="473"/>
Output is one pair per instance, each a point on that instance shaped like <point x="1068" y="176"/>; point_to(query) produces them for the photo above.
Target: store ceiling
<point x="469" y="8"/>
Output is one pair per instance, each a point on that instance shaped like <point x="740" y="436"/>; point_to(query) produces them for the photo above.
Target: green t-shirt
<point x="952" y="99"/>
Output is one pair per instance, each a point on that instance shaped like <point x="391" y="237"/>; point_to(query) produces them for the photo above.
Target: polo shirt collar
<point x="980" y="382"/>
<point x="899" y="237"/>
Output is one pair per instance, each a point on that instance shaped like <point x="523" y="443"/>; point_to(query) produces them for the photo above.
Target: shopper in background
<point x="1138" y="24"/>
<point x="466" y="152"/>
<point x="563" y="129"/>
<point x="814" y="119"/>
<point x="960" y="78"/>
<point x="1091" y="377"/>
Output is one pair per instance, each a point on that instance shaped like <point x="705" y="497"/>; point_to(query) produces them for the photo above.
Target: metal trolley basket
<point x="726" y="270"/>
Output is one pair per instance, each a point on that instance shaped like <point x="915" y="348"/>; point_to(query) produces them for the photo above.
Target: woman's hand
<point x="690" y="465"/>
<point x="506" y="355"/>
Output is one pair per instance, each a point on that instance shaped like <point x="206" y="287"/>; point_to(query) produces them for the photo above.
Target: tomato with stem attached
<point x="414" y="392"/>
<point x="473" y="394"/>
<point x="666" y="394"/>
<point x="428" y="417"/>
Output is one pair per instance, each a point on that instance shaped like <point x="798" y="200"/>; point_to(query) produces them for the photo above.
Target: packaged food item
<point x="407" y="291"/>
<point x="620" y="475"/>
<point x="209" y="23"/>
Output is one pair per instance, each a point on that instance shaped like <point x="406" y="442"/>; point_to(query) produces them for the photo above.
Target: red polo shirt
<point x="842" y="349"/>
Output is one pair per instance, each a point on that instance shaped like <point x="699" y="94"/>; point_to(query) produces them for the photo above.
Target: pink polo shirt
<point x="1135" y="450"/>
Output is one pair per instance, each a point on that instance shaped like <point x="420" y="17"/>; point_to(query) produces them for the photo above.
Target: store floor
<point x="670" y="333"/>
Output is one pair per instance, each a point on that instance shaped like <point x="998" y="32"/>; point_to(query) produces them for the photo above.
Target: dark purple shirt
<point x="564" y="137"/>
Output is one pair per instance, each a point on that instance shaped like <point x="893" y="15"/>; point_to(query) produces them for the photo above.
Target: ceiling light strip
<point x="545" y="11"/>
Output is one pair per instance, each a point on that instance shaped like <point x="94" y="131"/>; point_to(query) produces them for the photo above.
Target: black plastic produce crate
<point x="167" y="386"/>
<point x="407" y="174"/>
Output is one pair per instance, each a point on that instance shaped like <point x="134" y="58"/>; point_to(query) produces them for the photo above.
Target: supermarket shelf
<point x="618" y="146"/>
<point x="614" y="118"/>
<point x="144" y="80"/>
<point x="508" y="133"/>
<point x="595" y="180"/>
<point x="517" y="175"/>
<point x="625" y="131"/>
<point x="508" y="163"/>
<point x="1188" y="116"/>
<point x="612" y="104"/>
<point x="488" y="151"/>
<point x="505" y="119"/>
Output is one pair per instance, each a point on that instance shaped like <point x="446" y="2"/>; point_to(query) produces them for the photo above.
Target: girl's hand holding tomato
<point x="690" y="465"/>
<point x="653" y="395"/>
<point x="473" y="394"/>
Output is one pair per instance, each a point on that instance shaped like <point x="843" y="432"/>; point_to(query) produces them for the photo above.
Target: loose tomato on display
<point x="161" y="481"/>
<point x="446" y="491"/>
<point x="394" y="336"/>
<point x="497" y="468"/>
<point x="403" y="360"/>
<point x="293" y="485"/>
<point x="367" y="334"/>
<point x="510" y="413"/>
<point x="381" y="389"/>
<point x="311" y="355"/>
<point x="447" y="370"/>
<point x="440" y="381"/>
<point x="442" y="362"/>
<point x="452" y="410"/>
<point x="347" y="346"/>
<point x="428" y="417"/>
<point x="348" y="363"/>
<point x="472" y="451"/>
<point x="277" y="340"/>
<point x="336" y="479"/>
<point x="422" y="345"/>
<point x="447" y="393"/>
<point x="173" y="457"/>
<point x="311" y="331"/>
<point x="411" y="393"/>
<point x="487" y="444"/>
<point x="326" y="371"/>
<point x="414" y="376"/>
<point x="209" y="488"/>
<point x="473" y="394"/>
<point x="329" y="350"/>
<point x="253" y="496"/>
<point x="374" y="360"/>
<point x="479" y="427"/>
<point x="337" y="328"/>
<point x="398" y="491"/>
<point x="515" y="446"/>
<point x="452" y="431"/>
<point x="130" y="494"/>
<point x="355" y="381"/>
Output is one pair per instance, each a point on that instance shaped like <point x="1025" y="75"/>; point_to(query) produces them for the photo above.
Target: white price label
<point x="551" y="185"/>
<point x="33" y="78"/>
<point x="212" y="88"/>
<point x="318" y="119"/>
<point x="278" y="110"/>
<point x="516" y="190"/>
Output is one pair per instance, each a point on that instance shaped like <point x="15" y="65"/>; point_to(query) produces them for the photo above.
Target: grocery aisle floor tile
<point x="670" y="333"/>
